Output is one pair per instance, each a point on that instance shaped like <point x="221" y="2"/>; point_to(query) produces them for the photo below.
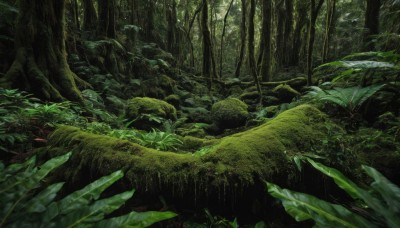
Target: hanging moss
<point x="233" y="162"/>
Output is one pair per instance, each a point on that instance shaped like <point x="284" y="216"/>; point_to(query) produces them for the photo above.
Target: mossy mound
<point x="285" y="93"/>
<point x="234" y="162"/>
<point x="229" y="113"/>
<point x="174" y="100"/>
<point x="138" y="107"/>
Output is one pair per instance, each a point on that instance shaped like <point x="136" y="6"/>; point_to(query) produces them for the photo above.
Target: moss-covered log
<point x="233" y="164"/>
<point x="40" y="65"/>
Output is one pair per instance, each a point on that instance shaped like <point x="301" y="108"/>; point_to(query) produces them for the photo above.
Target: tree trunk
<point x="266" y="36"/>
<point x="301" y="9"/>
<point x="371" y="23"/>
<point x="330" y="14"/>
<point x="281" y="21"/>
<point x="89" y="15"/>
<point x="288" y="31"/>
<point x="206" y="45"/>
<point x="242" y="39"/>
<point x="172" y="46"/>
<point x="314" y="10"/>
<point x="250" y="46"/>
<point x="106" y="23"/>
<point x="222" y="38"/>
<point x="40" y="66"/>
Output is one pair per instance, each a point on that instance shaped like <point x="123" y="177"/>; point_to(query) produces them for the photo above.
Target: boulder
<point x="146" y="112"/>
<point x="285" y="93"/>
<point x="229" y="113"/>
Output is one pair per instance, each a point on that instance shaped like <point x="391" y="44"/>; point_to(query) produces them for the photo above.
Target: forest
<point x="200" y="113"/>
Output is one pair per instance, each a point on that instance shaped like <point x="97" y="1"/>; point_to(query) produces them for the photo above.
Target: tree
<point x="106" y="25"/>
<point x="371" y="25"/>
<point x="266" y="38"/>
<point x="40" y="65"/>
<point x="242" y="39"/>
<point x="222" y="37"/>
<point x="250" y="46"/>
<point x="206" y="44"/>
<point x="89" y="15"/>
<point x="314" y="11"/>
<point x="329" y="26"/>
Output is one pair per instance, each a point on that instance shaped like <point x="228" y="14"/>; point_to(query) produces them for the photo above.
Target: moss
<point x="229" y="113"/>
<point x="174" y="100"/>
<point x="285" y="93"/>
<point x="234" y="162"/>
<point x="263" y="150"/>
<point x="253" y="95"/>
<point x="191" y="143"/>
<point x="146" y="105"/>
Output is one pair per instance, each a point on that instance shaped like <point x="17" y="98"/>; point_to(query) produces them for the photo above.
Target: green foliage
<point x="349" y="99"/>
<point x="380" y="202"/>
<point x="371" y="67"/>
<point x="159" y="140"/>
<point x="24" y="206"/>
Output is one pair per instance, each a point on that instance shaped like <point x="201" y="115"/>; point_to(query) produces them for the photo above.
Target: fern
<point x="349" y="99"/>
<point x="381" y="200"/>
<point x="22" y="206"/>
<point x="159" y="140"/>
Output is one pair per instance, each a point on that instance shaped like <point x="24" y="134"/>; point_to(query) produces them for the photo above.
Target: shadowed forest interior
<point x="200" y="113"/>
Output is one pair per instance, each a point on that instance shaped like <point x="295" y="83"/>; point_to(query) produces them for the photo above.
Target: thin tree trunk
<point x="252" y="61"/>
<point x="371" y="23"/>
<point x="242" y="40"/>
<point x="288" y="31"/>
<point x="106" y="22"/>
<point x="222" y="38"/>
<point x="301" y="12"/>
<point x="89" y="15"/>
<point x="314" y="10"/>
<point x="330" y="14"/>
<point x="206" y="45"/>
<point x="266" y="31"/>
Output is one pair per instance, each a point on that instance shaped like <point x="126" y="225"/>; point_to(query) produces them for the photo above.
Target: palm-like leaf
<point x="303" y="207"/>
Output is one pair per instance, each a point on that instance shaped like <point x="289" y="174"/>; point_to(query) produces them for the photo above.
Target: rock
<point x="229" y="113"/>
<point x="174" y="100"/>
<point x="148" y="111"/>
<point x="285" y="93"/>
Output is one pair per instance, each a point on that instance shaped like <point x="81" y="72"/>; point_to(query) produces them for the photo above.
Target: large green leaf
<point x="136" y="219"/>
<point x="390" y="194"/>
<point x="304" y="207"/>
<point x="342" y="181"/>
<point x="356" y="192"/>
<point x="87" y="194"/>
<point x="95" y="212"/>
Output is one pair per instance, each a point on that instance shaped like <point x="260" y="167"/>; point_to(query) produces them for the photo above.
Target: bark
<point x="371" y="26"/>
<point x="106" y="22"/>
<point x="301" y="11"/>
<point x="40" y="66"/>
<point x="266" y="36"/>
<point x="197" y="11"/>
<point x="242" y="39"/>
<point x="222" y="38"/>
<point x="250" y="46"/>
<point x="314" y="11"/>
<point x="89" y="15"/>
<point x="330" y="14"/>
<point x="172" y="45"/>
<point x="288" y="31"/>
<point x="206" y="44"/>
<point x="281" y="20"/>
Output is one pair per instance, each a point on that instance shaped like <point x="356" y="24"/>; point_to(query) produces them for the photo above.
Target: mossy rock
<point x="234" y="164"/>
<point x="285" y="93"/>
<point x="229" y="113"/>
<point x="140" y="106"/>
<point x="173" y="99"/>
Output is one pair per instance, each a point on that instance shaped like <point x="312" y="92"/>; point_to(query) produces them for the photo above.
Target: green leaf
<point x="390" y="193"/>
<point x="95" y="212"/>
<point x="136" y="219"/>
<point x="304" y="207"/>
<point x="87" y="194"/>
